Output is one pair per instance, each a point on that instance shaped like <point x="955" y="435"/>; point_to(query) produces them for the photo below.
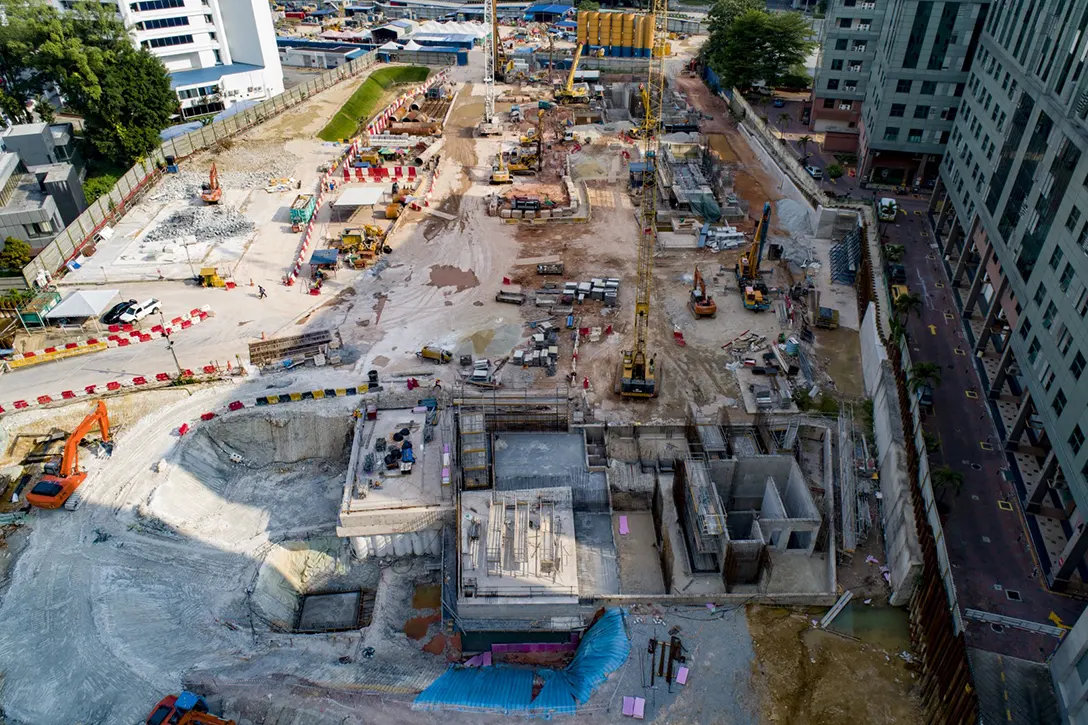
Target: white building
<point x="218" y="52"/>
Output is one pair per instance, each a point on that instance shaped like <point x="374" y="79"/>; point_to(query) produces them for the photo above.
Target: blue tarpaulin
<point x="509" y="690"/>
<point x="179" y="130"/>
<point x="324" y="256"/>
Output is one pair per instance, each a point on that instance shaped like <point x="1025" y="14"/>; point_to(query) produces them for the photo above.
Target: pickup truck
<point x="138" y="312"/>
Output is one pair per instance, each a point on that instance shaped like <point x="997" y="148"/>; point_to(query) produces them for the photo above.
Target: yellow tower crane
<point x="638" y="374"/>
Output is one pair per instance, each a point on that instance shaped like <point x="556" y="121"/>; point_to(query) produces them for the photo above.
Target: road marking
<point x="1004" y="505"/>
<point x="971" y="394"/>
<point x="918" y="213"/>
<point x="931" y="256"/>
<point x="1053" y="617"/>
<point x="949" y="316"/>
<point x="958" y="351"/>
<point x="932" y="329"/>
<point x="985" y="446"/>
<point x="939" y="285"/>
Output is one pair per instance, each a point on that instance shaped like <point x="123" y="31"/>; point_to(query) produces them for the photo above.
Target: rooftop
<point x="518" y="544"/>
<point x="390" y="488"/>
<point x="201" y="76"/>
<point x="25" y="129"/>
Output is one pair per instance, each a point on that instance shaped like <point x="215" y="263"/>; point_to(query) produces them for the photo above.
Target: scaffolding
<point x="513" y="409"/>
<point x="474" y="458"/>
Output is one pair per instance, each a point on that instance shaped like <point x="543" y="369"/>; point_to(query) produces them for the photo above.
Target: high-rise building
<point x="889" y="82"/>
<point x="1013" y="220"/>
<point x="218" y="52"/>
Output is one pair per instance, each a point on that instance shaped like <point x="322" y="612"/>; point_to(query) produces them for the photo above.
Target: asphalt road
<point x="987" y="545"/>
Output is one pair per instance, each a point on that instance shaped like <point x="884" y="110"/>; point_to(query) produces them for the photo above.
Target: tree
<point x="589" y="6"/>
<point x="758" y="46"/>
<point x="897" y="331"/>
<point x="803" y="142"/>
<point x="16" y="254"/>
<point x="724" y="12"/>
<point x="894" y="253"/>
<point x="834" y="171"/>
<point x="784" y="119"/>
<point x="906" y="304"/>
<point x="946" y="479"/>
<point x="923" y="374"/>
<point x="933" y="443"/>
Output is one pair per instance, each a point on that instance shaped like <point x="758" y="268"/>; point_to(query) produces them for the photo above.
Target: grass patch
<point x="101" y="177"/>
<point x="363" y="102"/>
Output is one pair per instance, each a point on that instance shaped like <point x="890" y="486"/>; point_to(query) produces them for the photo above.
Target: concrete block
<point x="546" y="214"/>
<point x="505" y="213"/>
<point x="529" y="215"/>
<point x="515" y="214"/>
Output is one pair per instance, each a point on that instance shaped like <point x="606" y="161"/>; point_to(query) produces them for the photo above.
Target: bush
<point x="96" y="186"/>
<point x="833" y="171"/>
<point x="363" y="102"/>
<point x="15" y="255"/>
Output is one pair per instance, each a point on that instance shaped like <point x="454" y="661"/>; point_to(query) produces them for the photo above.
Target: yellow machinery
<point x="499" y="173"/>
<point x="571" y="92"/>
<point x="638" y="376"/>
<point x="362" y="245"/>
<point x="749" y="279"/>
<point x="209" y="277"/>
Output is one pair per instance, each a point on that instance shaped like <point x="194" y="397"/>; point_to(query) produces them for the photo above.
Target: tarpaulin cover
<point x="324" y="256"/>
<point x="509" y="690"/>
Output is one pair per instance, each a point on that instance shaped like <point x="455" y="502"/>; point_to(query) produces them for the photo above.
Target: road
<point x="987" y="544"/>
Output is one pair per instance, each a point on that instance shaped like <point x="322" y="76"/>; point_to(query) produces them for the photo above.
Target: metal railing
<point x="142" y="176"/>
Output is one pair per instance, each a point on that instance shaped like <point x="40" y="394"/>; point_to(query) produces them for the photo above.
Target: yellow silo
<point x="648" y="35"/>
<point x="627" y="37"/>
<point x="593" y="23"/>
<point x="616" y="36"/>
<point x="583" y="26"/>
<point x="636" y="37"/>
<point x="605" y="36"/>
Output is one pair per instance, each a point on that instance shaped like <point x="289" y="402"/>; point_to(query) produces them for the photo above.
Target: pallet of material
<point x="296" y="347"/>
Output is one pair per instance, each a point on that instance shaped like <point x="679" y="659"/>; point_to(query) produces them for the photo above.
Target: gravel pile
<point x="206" y="223"/>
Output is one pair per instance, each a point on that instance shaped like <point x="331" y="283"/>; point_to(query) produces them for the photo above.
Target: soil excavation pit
<point x="335" y="611"/>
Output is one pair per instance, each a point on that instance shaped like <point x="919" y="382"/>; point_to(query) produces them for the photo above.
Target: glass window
<point x="1033" y="350"/>
<point x="898" y="109"/>
<point x="1059" y="403"/>
<point x="903" y="86"/>
<point x="929" y="88"/>
<point x="841" y="43"/>
<point x="891" y="133"/>
<point x="845" y="22"/>
<point x="1072" y="219"/>
<point x="1067" y="277"/>
<point x="1056" y="258"/>
<point x="1077" y="366"/>
<point x="921" y="111"/>
<point x="1040" y="293"/>
<point x="1076" y="439"/>
<point x="1025" y="329"/>
<point x="832" y="84"/>
<point x="829" y="103"/>
<point x="914" y="135"/>
<point x="850" y="85"/>
<point x="1048" y="314"/>
<point x="836" y="64"/>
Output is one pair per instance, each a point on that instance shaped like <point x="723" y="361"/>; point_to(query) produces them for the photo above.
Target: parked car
<point x="815" y="172"/>
<point x="897" y="273"/>
<point x="779" y="103"/>
<point x="925" y="398"/>
<point x="113" y="316"/>
<point x="140" y="311"/>
<point x="899" y="290"/>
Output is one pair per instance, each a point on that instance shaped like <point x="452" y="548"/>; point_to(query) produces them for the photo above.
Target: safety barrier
<point x="121" y="336"/>
<point x="266" y="400"/>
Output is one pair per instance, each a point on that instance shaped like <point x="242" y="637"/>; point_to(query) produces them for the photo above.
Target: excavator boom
<point x="52" y="492"/>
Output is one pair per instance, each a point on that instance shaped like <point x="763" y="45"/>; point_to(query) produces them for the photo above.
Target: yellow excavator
<point x="639" y="376"/>
<point x="499" y="173"/>
<point x="749" y="278"/>
<point x="572" y="92"/>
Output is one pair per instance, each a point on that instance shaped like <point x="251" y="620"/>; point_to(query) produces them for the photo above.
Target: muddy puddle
<point x="445" y="275"/>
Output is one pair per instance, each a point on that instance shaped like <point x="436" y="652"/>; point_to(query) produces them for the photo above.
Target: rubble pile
<point x="205" y="223"/>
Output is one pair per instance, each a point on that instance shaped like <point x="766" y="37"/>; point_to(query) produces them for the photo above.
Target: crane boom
<point x="574" y="68"/>
<point x="638" y="374"/>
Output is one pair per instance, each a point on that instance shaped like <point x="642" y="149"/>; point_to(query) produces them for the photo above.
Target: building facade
<point x="218" y="52"/>
<point x="923" y="59"/>
<point x="1013" y="221"/>
<point x="848" y="51"/>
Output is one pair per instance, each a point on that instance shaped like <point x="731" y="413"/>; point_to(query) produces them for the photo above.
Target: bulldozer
<point x="211" y="192"/>
<point x="700" y="303"/>
<point x="59" y="489"/>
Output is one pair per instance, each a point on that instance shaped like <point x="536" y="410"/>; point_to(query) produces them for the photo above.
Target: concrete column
<point x="998" y="383"/>
<point x="1037" y="491"/>
<point x="976" y="283"/>
<point x="938" y="193"/>
<point x="1071" y="556"/>
<point x="955" y="234"/>
<point x="1022" y="415"/>
<point x="991" y="314"/>
<point x="954" y="237"/>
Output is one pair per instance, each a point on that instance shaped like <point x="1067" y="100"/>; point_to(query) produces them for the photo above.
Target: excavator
<point x="749" y="278"/>
<point x="211" y="192"/>
<point x="638" y="375"/>
<point x="700" y="303"/>
<point x="572" y="92"/>
<point x="56" y="490"/>
<point x="499" y="173"/>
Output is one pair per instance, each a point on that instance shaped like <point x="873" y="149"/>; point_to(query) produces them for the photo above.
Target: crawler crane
<point x="638" y="374"/>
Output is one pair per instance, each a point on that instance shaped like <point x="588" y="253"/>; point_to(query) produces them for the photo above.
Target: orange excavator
<point x="54" y="491"/>
<point x="700" y="303"/>
<point x="184" y="709"/>
<point x="211" y="192"/>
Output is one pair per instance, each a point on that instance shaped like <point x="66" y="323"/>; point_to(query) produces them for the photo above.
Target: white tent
<point x="85" y="303"/>
<point x="368" y="195"/>
<point x="412" y="45"/>
<point x="389" y="46"/>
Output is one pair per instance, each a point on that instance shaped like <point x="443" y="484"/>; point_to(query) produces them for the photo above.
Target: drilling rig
<point x="490" y="125"/>
<point x="638" y="374"/>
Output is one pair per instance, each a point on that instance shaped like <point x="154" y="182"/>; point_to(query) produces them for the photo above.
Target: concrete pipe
<point x="360" y="546"/>
<point x="417" y="544"/>
<point x="427" y="154"/>
<point x="417" y="103"/>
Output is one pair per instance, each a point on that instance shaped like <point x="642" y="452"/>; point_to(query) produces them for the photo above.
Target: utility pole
<point x="169" y="342"/>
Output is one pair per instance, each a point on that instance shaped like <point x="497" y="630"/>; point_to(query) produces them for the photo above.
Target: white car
<point x="140" y="311"/>
<point x="815" y="172"/>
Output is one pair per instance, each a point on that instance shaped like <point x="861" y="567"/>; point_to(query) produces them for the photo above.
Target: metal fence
<point x="146" y="173"/>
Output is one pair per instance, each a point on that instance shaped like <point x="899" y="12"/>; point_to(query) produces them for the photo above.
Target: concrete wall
<point x="1072" y="688"/>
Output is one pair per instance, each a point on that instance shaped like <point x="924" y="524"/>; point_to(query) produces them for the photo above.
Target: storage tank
<point x="616" y="36"/>
<point x="605" y="36"/>
<point x="648" y="35"/>
<point x="627" y="37"/>
<point x="636" y="40"/>
<point x="583" y="26"/>
<point x="593" y="25"/>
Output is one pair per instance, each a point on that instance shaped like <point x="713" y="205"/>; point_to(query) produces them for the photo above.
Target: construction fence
<point x="146" y="173"/>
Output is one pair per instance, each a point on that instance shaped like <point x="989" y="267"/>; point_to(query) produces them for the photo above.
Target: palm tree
<point x="897" y="331"/>
<point x="894" y="252"/>
<point x="803" y="142"/>
<point x="907" y="304"/>
<point x="784" y="119"/>
<point x="946" y="479"/>
<point x="924" y="373"/>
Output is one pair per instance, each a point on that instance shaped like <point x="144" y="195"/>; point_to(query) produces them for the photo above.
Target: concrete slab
<point x="637" y="555"/>
<point x="329" y="611"/>
<point x="598" y="572"/>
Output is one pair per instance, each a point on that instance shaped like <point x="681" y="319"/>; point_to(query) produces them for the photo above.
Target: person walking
<point x="261" y="294"/>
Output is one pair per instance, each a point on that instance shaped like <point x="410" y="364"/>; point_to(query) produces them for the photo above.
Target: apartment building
<point x="847" y="55"/>
<point x="1013" y="222"/>
<point x="218" y="52"/>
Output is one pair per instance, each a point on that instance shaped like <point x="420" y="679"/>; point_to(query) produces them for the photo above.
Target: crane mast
<point x="491" y="58"/>
<point x="638" y="376"/>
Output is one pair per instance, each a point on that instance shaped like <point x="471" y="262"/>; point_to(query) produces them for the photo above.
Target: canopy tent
<point x="412" y="45"/>
<point x="84" y="303"/>
<point x="324" y="257"/>
<point x="389" y="46"/>
<point x="360" y="196"/>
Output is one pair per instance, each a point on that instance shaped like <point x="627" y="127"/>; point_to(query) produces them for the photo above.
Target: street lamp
<point x="169" y="342"/>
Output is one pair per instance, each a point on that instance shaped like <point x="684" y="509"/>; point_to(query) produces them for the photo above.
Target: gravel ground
<point x="204" y="223"/>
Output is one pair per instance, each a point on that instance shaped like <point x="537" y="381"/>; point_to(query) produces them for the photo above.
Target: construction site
<point x="576" y="429"/>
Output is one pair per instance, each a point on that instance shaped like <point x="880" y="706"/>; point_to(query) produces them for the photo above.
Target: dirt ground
<point x="810" y="677"/>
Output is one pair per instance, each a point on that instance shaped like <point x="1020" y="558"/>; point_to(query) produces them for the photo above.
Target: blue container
<point x="791" y="346"/>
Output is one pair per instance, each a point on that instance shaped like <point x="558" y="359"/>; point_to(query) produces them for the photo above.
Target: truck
<point x="436" y="354"/>
<point x="510" y="297"/>
<point x="302" y="209"/>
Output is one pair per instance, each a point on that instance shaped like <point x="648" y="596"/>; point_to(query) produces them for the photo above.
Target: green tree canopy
<point x="758" y="46"/>
<point x="724" y="12"/>
<point x="589" y="6"/>
<point x="15" y="254"/>
<point x="123" y="92"/>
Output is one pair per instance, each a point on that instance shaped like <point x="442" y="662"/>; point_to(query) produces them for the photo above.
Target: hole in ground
<point x="1013" y="595"/>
